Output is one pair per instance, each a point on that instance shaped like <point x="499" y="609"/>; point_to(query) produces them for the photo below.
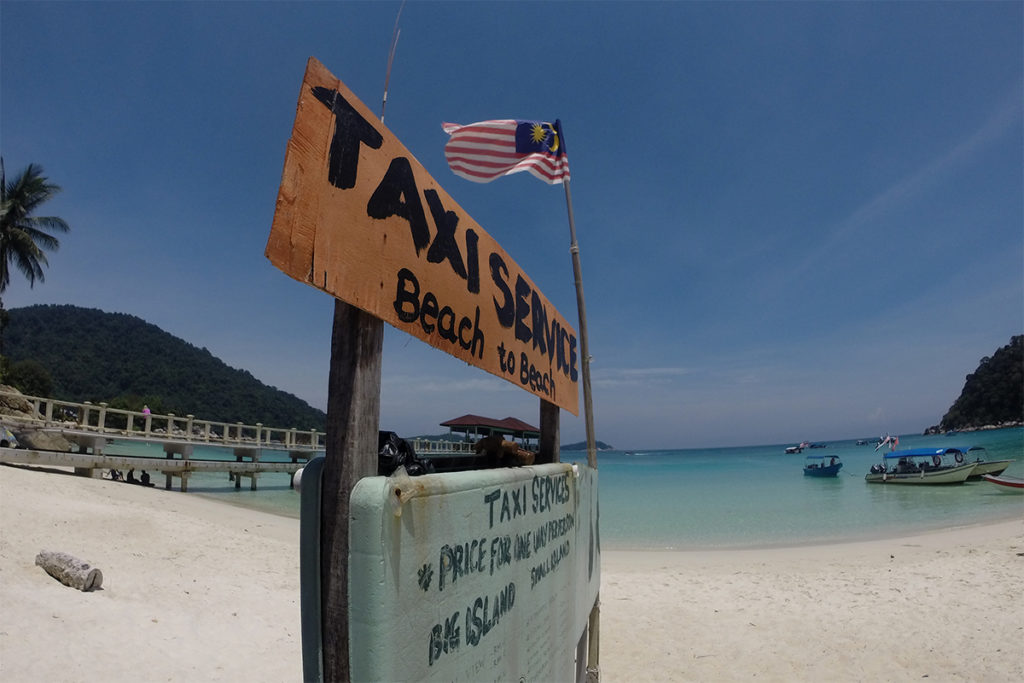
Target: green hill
<point x="89" y="355"/>
<point x="993" y="395"/>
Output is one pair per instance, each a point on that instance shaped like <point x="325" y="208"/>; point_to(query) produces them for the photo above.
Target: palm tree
<point x="23" y="237"/>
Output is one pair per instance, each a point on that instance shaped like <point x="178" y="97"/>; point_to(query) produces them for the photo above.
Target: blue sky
<point x="796" y="220"/>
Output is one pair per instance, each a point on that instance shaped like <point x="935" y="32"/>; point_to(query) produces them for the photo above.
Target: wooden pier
<point x="94" y="427"/>
<point x="91" y="465"/>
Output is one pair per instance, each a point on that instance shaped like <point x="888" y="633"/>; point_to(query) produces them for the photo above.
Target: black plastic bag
<point x="393" y="452"/>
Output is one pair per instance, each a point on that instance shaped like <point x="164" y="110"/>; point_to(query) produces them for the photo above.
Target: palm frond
<point x="24" y="237"/>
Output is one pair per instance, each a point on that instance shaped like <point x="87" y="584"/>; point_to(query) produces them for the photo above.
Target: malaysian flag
<point x="486" y="150"/>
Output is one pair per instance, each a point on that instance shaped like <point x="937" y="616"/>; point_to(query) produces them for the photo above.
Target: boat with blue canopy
<point x="946" y="465"/>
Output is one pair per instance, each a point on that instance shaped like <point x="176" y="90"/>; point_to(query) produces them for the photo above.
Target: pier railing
<point x="101" y="418"/>
<point x="427" y="447"/>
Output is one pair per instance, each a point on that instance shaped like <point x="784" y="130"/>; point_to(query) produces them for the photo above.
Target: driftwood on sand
<point x="69" y="570"/>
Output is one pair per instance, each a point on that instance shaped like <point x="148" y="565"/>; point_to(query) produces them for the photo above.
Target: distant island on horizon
<point x="582" y="446"/>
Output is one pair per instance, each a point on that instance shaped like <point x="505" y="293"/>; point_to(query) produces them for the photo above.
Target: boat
<point x="1006" y="482"/>
<point x="921" y="466"/>
<point x="822" y="466"/>
<point x="982" y="466"/>
<point x="794" y="449"/>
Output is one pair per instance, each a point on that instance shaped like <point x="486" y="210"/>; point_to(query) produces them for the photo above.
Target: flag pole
<point x="593" y="671"/>
<point x="588" y="403"/>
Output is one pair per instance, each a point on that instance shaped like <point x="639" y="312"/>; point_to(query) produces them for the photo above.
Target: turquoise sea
<point x="745" y="497"/>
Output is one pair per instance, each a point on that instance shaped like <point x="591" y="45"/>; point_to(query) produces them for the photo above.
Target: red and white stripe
<point x="484" y="151"/>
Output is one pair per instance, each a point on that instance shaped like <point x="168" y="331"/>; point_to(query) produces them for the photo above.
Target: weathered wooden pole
<point x="353" y="416"/>
<point x="594" y="626"/>
<point x="588" y="403"/>
<point x="550" y="428"/>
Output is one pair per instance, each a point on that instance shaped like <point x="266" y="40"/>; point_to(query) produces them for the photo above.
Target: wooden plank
<point x="360" y="218"/>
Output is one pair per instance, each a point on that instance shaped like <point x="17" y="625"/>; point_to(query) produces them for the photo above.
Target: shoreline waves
<point x="198" y="590"/>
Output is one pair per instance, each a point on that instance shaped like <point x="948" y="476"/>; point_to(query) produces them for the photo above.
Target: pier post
<point x="188" y="426"/>
<point x="102" y="419"/>
<point x="259" y="433"/>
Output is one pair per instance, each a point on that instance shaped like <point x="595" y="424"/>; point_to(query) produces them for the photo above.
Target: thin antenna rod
<point x="391" y="58"/>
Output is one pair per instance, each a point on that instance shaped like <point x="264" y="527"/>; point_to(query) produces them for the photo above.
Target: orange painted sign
<point x="360" y="218"/>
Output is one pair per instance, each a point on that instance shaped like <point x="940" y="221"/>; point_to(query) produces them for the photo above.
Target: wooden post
<point x="353" y="417"/>
<point x="547" y="444"/>
<point x="594" y="643"/>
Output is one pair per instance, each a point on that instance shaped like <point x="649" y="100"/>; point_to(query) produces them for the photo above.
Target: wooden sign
<point x="360" y="218"/>
<point x="488" y="575"/>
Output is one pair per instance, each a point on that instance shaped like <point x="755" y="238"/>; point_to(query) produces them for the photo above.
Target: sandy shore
<point x="198" y="590"/>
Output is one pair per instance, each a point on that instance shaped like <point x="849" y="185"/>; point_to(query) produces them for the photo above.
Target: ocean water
<point x="730" y="497"/>
<point x="759" y="497"/>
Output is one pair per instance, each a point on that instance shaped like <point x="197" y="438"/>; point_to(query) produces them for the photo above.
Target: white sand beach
<point x="196" y="590"/>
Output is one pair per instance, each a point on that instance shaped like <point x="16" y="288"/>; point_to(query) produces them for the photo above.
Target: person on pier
<point x="131" y="477"/>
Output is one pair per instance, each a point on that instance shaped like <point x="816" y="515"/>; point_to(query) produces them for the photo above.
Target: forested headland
<point x="80" y="354"/>
<point x="993" y="395"/>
